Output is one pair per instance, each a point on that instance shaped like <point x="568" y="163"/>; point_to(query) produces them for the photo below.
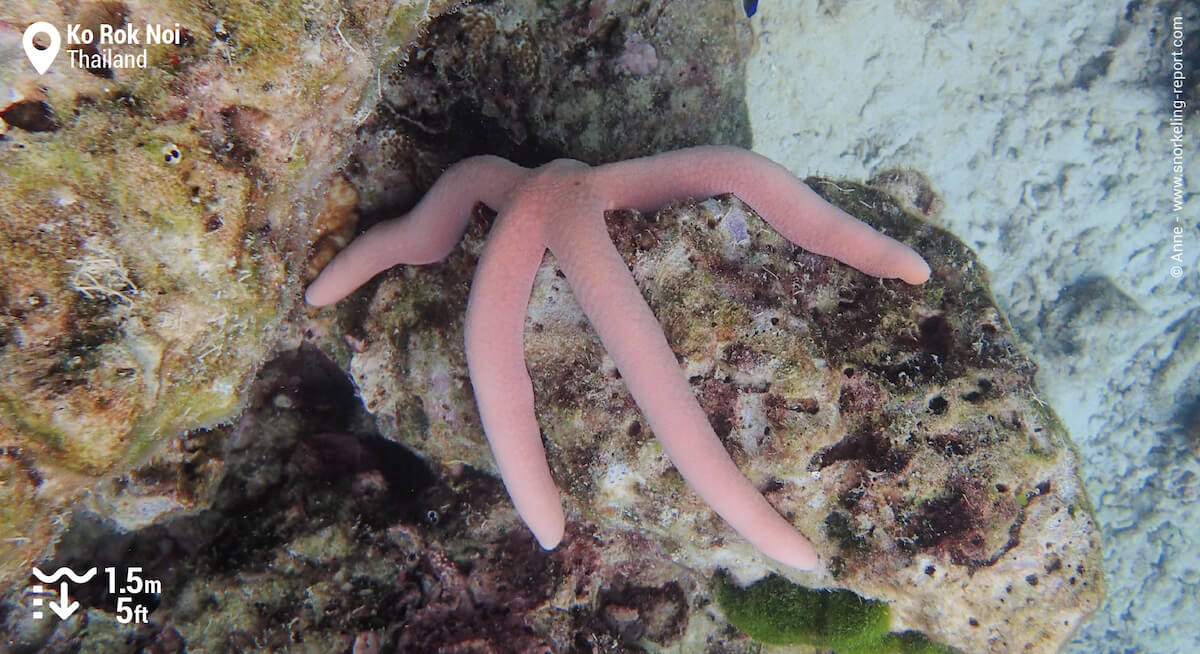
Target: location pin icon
<point x="41" y="59"/>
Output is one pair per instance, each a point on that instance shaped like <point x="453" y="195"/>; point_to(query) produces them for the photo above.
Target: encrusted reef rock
<point x="156" y="225"/>
<point x="322" y="536"/>
<point x="534" y="80"/>
<point x="898" y="427"/>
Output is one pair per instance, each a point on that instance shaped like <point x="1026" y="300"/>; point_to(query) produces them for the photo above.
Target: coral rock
<point x="896" y="426"/>
<point x="155" y="219"/>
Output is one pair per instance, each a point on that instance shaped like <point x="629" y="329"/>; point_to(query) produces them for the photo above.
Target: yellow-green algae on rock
<point x="778" y="612"/>
<point x="155" y="226"/>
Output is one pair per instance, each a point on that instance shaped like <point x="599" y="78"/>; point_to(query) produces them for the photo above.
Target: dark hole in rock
<point x="937" y="335"/>
<point x="30" y="115"/>
<point x="721" y="424"/>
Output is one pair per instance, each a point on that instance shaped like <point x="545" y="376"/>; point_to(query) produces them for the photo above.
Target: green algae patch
<point x="777" y="612"/>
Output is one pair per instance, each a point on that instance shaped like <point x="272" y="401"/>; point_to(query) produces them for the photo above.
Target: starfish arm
<point x="423" y="235"/>
<point x="631" y="334"/>
<point x="777" y="195"/>
<point x="495" y="324"/>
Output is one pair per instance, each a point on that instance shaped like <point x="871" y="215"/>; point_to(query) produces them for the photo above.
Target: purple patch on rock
<point x="735" y="224"/>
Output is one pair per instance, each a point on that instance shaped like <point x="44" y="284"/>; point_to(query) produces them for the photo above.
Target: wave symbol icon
<point x="64" y="572"/>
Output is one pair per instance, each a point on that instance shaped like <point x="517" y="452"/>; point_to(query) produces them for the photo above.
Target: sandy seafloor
<point x="1045" y="130"/>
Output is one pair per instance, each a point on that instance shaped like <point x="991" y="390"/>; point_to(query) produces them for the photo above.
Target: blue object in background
<point x="750" y="6"/>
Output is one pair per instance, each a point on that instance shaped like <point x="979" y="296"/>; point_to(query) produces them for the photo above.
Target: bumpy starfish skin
<point x="560" y="206"/>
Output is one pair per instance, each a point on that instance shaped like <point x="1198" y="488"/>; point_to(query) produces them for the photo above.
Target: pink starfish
<point x="561" y="206"/>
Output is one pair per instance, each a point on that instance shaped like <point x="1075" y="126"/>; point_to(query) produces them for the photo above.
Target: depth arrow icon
<point x="62" y="608"/>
